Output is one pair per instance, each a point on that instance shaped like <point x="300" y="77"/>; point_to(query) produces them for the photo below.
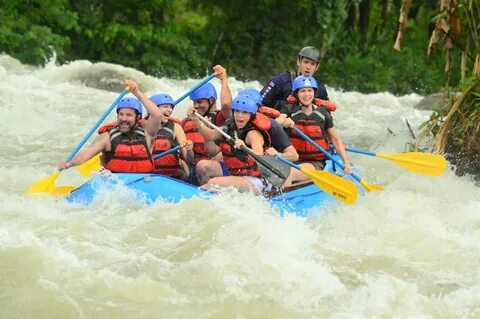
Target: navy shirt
<point x="280" y="87"/>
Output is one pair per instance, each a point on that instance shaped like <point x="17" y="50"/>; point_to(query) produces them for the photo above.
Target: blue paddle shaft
<point x="283" y="159"/>
<point x="94" y="128"/>
<point x="208" y="78"/>
<point x="359" y="151"/>
<point x="172" y="150"/>
<point x="324" y="152"/>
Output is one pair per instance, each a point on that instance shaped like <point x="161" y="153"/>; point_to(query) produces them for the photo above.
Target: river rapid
<point x="410" y="251"/>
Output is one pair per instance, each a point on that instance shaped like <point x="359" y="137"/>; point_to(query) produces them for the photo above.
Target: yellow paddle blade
<point x="371" y="187"/>
<point x="63" y="190"/>
<point x="45" y="185"/>
<point x="334" y="185"/>
<point x="90" y="166"/>
<point x="422" y="163"/>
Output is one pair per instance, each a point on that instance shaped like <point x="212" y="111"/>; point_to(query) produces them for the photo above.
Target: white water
<point x="411" y="251"/>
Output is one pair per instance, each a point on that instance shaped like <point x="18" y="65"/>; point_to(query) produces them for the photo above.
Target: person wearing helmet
<point x="126" y="145"/>
<point x="168" y="136"/>
<point x="278" y="89"/>
<point x="316" y="122"/>
<point x="280" y="141"/>
<point x="204" y="100"/>
<point x="238" y="169"/>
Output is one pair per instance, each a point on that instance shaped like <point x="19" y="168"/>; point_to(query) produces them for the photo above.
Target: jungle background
<point x="366" y="46"/>
<point x="254" y="40"/>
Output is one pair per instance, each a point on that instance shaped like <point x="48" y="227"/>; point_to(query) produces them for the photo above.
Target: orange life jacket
<point x="313" y="126"/>
<point x="129" y="152"/>
<point x="269" y="112"/>
<point x="194" y="135"/>
<point x="168" y="165"/>
<point x="238" y="162"/>
<point x="318" y="102"/>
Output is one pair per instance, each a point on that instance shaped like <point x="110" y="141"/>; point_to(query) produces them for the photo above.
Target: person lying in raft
<point x="317" y="123"/>
<point x="238" y="169"/>
<point x="126" y="145"/>
<point x="280" y="142"/>
<point x="168" y="136"/>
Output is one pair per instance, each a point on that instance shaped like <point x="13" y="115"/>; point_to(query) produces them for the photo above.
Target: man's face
<point x="201" y="106"/>
<point x="126" y="118"/>
<point x="306" y="66"/>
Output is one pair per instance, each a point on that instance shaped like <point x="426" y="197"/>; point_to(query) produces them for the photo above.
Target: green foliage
<point x="253" y="39"/>
<point x="32" y="30"/>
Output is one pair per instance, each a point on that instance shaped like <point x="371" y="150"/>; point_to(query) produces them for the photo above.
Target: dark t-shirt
<point x="280" y="87"/>
<point x="290" y="109"/>
<point x="280" y="140"/>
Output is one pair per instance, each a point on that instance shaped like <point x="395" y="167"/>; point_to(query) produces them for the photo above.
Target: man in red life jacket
<point x="278" y="89"/>
<point x="126" y="146"/>
<point x="168" y="136"/>
<point x="204" y="99"/>
<point x="317" y="123"/>
<point x="239" y="169"/>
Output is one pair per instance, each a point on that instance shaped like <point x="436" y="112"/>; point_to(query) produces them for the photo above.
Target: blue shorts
<point x="225" y="170"/>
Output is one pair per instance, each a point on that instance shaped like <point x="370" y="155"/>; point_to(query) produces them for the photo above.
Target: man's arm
<point x="269" y="93"/>
<point x="87" y="153"/>
<point x="181" y="139"/>
<point x="156" y="116"/>
<point x="225" y="93"/>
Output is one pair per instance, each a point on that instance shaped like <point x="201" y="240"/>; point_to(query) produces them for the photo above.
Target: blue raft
<point x="151" y="188"/>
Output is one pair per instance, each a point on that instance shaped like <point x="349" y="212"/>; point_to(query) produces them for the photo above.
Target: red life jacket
<point x="105" y="127"/>
<point x="168" y="165"/>
<point x="129" y="153"/>
<point x="313" y="126"/>
<point x="238" y="162"/>
<point x="218" y="119"/>
<point x="318" y="102"/>
<point x="194" y="135"/>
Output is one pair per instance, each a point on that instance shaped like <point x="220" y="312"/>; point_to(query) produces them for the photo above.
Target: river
<point x="410" y="251"/>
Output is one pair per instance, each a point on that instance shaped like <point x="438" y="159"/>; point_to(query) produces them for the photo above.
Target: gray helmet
<point x="309" y="52"/>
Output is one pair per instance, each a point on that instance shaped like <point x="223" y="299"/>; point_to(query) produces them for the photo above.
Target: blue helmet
<point x="162" y="98"/>
<point x="252" y="93"/>
<point x="244" y="103"/>
<point x="302" y="82"/>
<point x="206" y="91"/>
<point x="131" y="103"/>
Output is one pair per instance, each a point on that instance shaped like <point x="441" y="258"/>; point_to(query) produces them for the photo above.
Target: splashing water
<point x="412" y="250"/>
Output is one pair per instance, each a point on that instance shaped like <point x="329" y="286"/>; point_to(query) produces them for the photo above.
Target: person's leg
<point x="207" y="169"/>
<point x="239" y="182"/>
<point x="296" y="176"/>
<point x="184" y="170"/>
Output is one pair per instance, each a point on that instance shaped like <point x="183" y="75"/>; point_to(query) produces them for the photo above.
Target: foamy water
<point x="410" y="251"/>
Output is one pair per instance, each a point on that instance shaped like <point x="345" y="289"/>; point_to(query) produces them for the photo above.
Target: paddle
<point x="417" y="162"/>
<point x="93" y="164"/>
<point x="46" y="185"/>
<point x="336" y="186"/>
<point x="367" y="186"/>
<point x="170" y="151"/>
<point x="230" y="139"/>
<point x="332" y="184"/>
<point x="90" y="166"/>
